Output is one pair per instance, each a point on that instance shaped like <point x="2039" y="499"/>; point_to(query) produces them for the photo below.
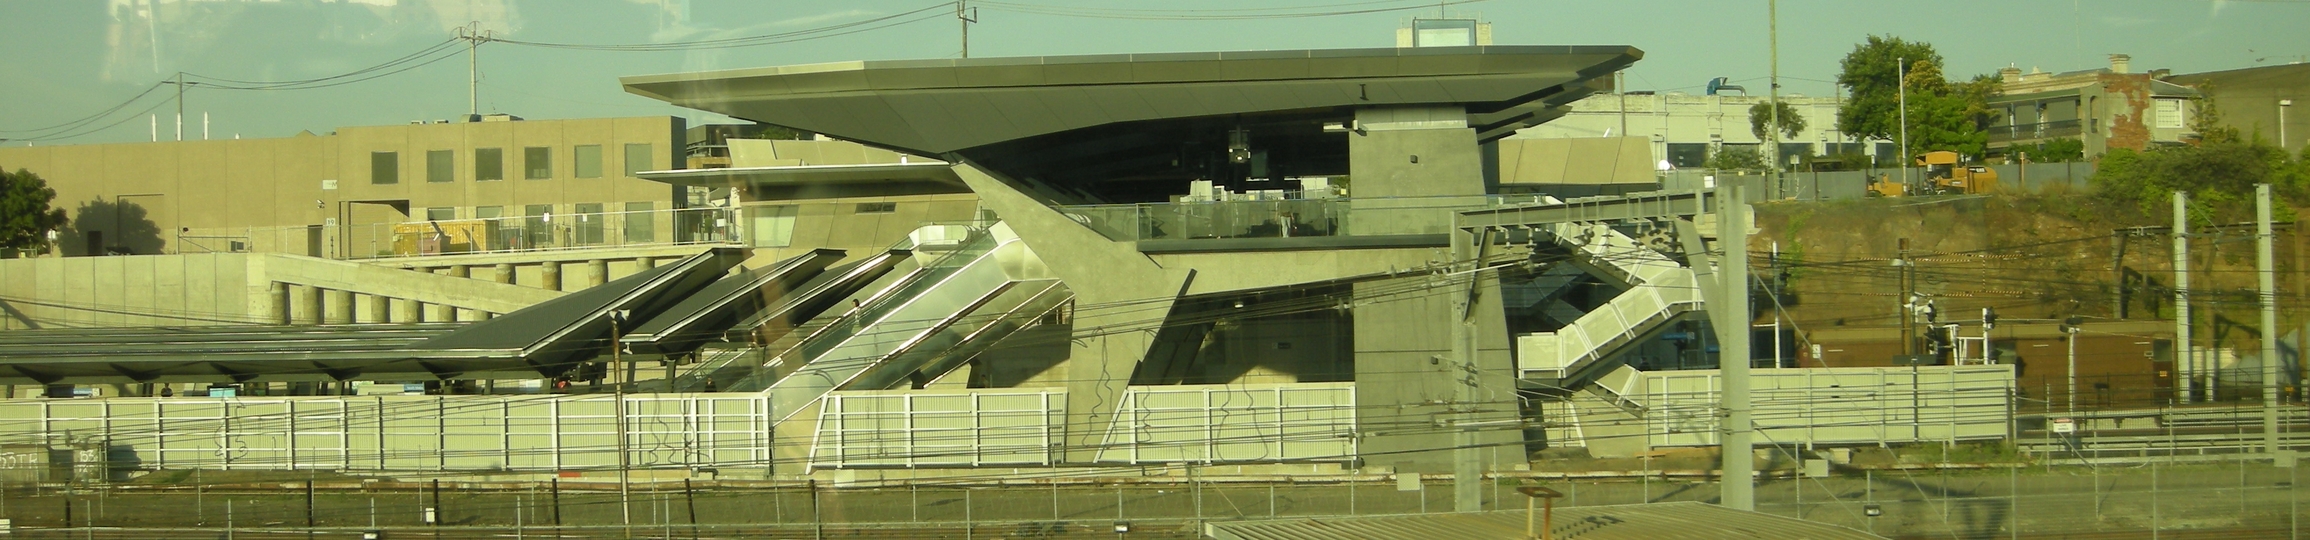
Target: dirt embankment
<point x="2040" y="256"/>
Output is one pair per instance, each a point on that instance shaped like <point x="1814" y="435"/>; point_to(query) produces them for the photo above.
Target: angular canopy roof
<point x="933" y="107"/>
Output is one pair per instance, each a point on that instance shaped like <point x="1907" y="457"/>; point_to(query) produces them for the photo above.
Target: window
<point x="488" y="164"/>
<point x="638" y="223"/>
<point x="384" y="168"/>
<point x="589" y="161"/>
<point x="1687" y="155"/>
<point x="589" y="222"/>
<point x="488" y="212"/>
<point x="638" y="158"/>
<point x="440" y="166"/>
<point x="441" y="213"/>
<point x="770" y="226"/>
<point x="2169" y="113"/>
<point x="875" y="208"/>
<point x="1888" y="154"/>
<point x="537" y="226"/>
<point x="537" y="163"/>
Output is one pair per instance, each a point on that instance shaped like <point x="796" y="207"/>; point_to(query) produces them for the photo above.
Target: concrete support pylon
<point x="281" y="304"/>
<point x="336" y="306"/>
<point x="549" y="275"/>
<point x="597" y="272"/>
<point x="379" y="309"/>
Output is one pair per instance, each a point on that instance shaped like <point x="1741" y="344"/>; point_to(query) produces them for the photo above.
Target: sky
<point x="67" y="61"/>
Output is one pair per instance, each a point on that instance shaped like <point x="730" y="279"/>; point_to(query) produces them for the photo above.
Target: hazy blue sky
<point x="69" y="59"/>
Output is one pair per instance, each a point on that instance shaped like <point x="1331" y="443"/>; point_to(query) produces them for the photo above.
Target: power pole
<point x="180" y="105"/>
<point x="1732" y="328"/>
<point x="473" y="37"/>
<point x="2265" y="261"/>
<point x="2185" y="359"/>
<point x="1901" y="92"/>
<point x="963" y="12"/>
<point x="1773" y="94"/>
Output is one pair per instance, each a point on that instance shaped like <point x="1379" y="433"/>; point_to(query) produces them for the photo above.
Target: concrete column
<point x="441" y="312"/>
<point x="309" y="303"/>
<point x="337" y="307"/>
<point x="504" y="273"/>
<point x="646" y="262"/>
<point x="549" y="275"/>
<point x="280" y="295"/>
<point x="408" y="311"/>
<point x="460" y="271"/>
<point x="379" y="310"/>
<point x="598" y="272"/>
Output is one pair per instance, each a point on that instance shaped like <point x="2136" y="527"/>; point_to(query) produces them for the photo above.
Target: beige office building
<point x="339" y="195"/>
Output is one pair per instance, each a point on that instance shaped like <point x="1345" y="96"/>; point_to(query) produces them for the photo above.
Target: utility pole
<point x="473" y="37"/>
<point x="2265" y="257"/>
<point x="963" y="12"/>
<point x="1732" y="324"/>
<point x="625" y="461"/>
<point x="1901" y="93"/>
<point x="180" y="105"/>
<point x="1773" y="98"/>
<point x="2185" y="359"/>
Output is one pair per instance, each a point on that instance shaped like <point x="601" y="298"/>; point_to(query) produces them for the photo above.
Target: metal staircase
<point x="1659" y="290"/>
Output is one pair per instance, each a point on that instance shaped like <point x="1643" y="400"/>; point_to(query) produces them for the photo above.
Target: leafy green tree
<point x="2206" y="118"/>
<point x="2220" y="177"/>
<point x="1760" y="114"/>
<point x="1732" y="159"/>
<point x="2059" y="150"/>
<point x="1942" y="115"/>
<point x="25" y="218"/>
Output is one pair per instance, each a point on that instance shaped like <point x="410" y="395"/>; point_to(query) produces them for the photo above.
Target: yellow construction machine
<point x="1944" y="175"/>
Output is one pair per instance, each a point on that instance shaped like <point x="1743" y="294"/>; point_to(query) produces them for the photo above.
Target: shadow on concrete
<point x="123" y="226"/>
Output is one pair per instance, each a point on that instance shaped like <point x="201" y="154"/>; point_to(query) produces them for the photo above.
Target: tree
<point x="1941" y="115"/>
<point x="25" y="218"/>
<point x="1736" y="159"/>
<point x="2054" y="150"/>
<point x="2206" y="118"/>
<point x="2220" y="177"/>
<point x="1792" y="124"/>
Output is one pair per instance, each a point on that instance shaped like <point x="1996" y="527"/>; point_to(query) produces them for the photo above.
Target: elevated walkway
<point x="1659" y="291"/>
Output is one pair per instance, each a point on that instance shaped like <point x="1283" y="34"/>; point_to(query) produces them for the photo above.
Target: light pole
<point x="118" y="237"/>
<point x="1901" y="93"/>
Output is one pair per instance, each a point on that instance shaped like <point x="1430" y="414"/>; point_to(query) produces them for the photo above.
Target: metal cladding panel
<point x="906" y="428"/>
<point x="1233" y="424"/>
<point x="1838" y="405"/>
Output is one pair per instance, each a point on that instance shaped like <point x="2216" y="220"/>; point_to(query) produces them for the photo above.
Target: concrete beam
<point x="1660" y="204"/>
<point x="365" y="278"/>
<point x="1117" y="291"/>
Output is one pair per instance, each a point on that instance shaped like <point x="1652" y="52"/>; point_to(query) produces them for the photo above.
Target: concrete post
<point x="598" y="272"/>
<point x="504" y="273"/>
<point x="309" y="301"/>
<point x="380" y="310"/>
<point x="408" y="311"/>
<point x="443" y="313"/>
<point x="2185" y="359"/>
<point x="549" y="275"/>
<point x="645" y="262"/>
<point x="1732" y="320"/>
<point x="337" y="307"/>
<point x="2266" y="262"/>
<point x="280" y="295"/>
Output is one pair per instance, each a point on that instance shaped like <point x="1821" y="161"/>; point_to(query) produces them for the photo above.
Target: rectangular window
<point x="499" y="235"/>
<point x="589" y="222"/>
<point x="440" y="166"/>
<point x="770" y="226"/>
<point x="638" y="158"/>
<point x="537" y="226"/>
<point x="537" y="163"/>
<point x="875" y="208"/>
<point x="488" y="164"/>
<point x="589" y="161"/>
<point x="384" y="168"/>
<point x="441" y="213"/>
<point x="2169" y="113"/>
<point x="1687" y="155"/>
<point x="639" y="224"/>
<point x="488" y="212"/>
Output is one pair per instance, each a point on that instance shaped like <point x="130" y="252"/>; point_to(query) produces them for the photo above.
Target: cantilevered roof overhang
<point x="933" y="107"/>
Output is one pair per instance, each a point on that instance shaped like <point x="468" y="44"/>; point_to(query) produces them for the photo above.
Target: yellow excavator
<point x="1944" y="175"/>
